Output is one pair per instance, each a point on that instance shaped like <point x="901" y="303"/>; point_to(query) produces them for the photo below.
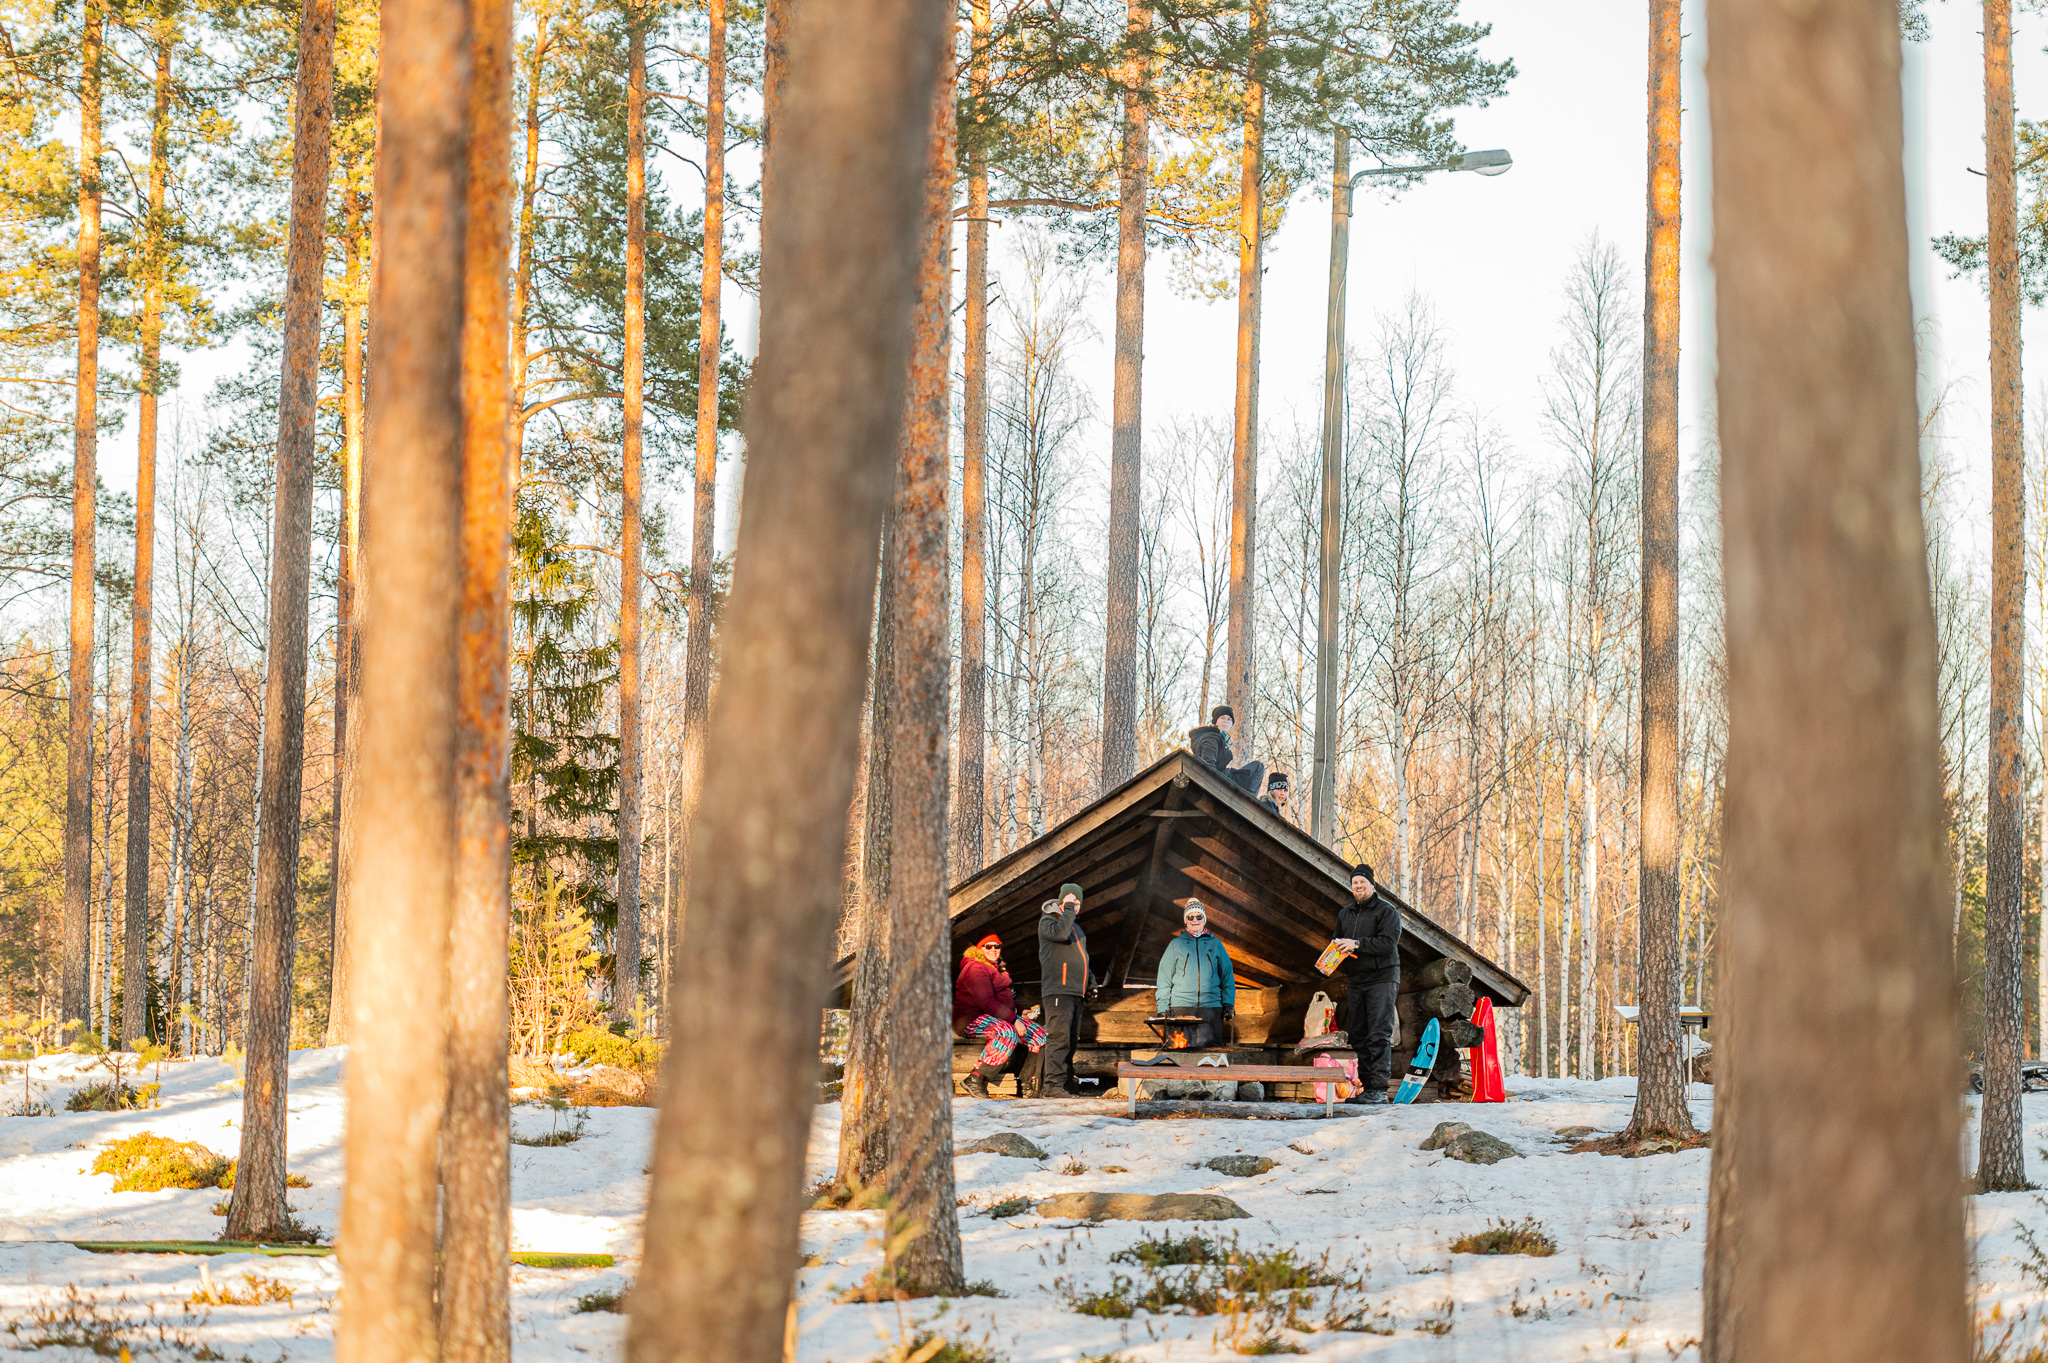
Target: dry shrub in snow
<point x="149" y="1163"/>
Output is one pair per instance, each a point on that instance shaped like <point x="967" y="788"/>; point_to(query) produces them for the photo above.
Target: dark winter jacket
<point x="982" y="990"/>
<point x="1211" y="747"/>
<point x="1195" y="972"/>
<point x="1376" y="926"/>
<point x="1062" y="954"/>
<point x="1273" y="807"/>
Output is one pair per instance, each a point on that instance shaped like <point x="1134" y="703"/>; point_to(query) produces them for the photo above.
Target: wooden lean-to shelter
<point x="1175" y="831"/>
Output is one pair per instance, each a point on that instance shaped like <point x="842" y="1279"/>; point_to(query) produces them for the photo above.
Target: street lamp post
<point x="1323" y="784"/>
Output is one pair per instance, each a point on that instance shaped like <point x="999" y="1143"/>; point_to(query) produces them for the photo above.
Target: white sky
<point x="1491" y="253"/>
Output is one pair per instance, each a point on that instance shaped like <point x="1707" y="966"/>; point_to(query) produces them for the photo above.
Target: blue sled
<point x="1419" y="1068"/>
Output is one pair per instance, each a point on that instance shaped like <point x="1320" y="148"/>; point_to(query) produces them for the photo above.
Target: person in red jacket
<point x="985" y="1008"/>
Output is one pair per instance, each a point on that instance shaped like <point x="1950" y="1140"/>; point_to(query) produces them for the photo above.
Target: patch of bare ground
<point x="1636" y="1147"/>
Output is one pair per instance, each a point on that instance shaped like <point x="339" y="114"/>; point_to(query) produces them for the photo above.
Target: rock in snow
<point x="1003" y="1143"/>
<point x="1443" y="1135"/>
<point x="1240" y="1166"/>
<point x="1142" y="1207"/>
<point x="1476" y="1147"/>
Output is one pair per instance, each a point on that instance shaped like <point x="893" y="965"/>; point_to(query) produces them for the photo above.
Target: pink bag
<point x="1346" y="1088"/>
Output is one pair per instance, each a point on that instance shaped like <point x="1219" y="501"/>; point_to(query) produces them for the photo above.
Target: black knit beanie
<point x="1364" y="870"/>
<point x="1277" y="781"/>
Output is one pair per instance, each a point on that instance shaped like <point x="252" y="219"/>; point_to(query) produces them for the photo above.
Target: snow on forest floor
<point x="1624" y="1283"/>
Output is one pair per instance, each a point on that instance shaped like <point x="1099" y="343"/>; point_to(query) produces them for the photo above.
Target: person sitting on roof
<point x="1210" y="743"/>
<point x="1275" y="800"/>
<point x="1195" y="975"/>
<point x="985" y="1009"/>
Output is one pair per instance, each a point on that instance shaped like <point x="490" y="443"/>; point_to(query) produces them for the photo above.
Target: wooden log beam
<point x="1245" y="924"/>
<point x="1448" y="1001"/>
<point x="1309" y="922"/>
<point x="1444" y="970"/>
<point x="1145" y="905"/>
<point x="1113" y="857"/>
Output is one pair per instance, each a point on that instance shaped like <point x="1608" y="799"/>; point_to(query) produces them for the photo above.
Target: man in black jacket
<point x="1063" y="986"/>
<point x="1370" y="928"/>
<point x="1210" y="743"/>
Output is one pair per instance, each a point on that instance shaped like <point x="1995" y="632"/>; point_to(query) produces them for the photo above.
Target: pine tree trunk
<point x="626" y="936"/>
<point x="258" y="1205"/>
<point x="1239" y="678"/>
<point x="920" y="1074"/>
<point x="1660" y="1060"/>
<point x="476" y="1320"/>
<point x="135" y="917"/>
<point x="2001" y="1155"/>
<point x="839" y="285"/>
<point x="413" y="543"/>
<point x="970" y="805"/>
<point x="73" y="993"/>
<point x="1589" y="868"/>
<point x="1833" y="842"/>
<point x="348" y="648"/>
<point x="1542" y="942"/>
<point x="864" y="1098"/>
<point x="1126" y="440"/>
<point x="704" y="509"/>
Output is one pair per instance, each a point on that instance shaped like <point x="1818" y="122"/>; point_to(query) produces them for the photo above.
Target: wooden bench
<point x="1265" y="1074"/>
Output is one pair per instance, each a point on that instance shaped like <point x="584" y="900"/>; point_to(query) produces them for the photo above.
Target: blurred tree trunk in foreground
<point x="1849" y="1242"/>
<point x="839" y="276"/>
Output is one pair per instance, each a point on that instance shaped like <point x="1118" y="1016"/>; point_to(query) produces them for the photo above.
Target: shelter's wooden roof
<point x="1178" y="830"/>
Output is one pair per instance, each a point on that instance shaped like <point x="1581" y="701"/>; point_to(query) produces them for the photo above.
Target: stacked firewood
<point x="1441" y="990"/>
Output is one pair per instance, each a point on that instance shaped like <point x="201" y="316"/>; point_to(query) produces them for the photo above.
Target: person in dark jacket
<point x="985" y="1009"/>
<point x="1062" y="985"/>
<point x="1195" y="974"/>
<point x="1369" y="927"/>
<point x="1210" y="743"/>
<point x="1276" y="795"/>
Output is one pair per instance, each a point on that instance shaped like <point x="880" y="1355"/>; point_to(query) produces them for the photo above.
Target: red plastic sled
<point x="1486" y="1077"/>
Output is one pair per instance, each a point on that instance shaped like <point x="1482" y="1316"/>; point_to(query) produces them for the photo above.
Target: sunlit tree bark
<point x="73" y="994"/>
<point x="1660" y="1065"/>
<point x="413" y="543"/>
<point x="921" y="995"/>
<point x="258" y="1205"/>
<point x="839" y="283"/>
<point x="476" y="1321"/>
<point x="1834" y="843"/>
<point x="2001" y="1151"/>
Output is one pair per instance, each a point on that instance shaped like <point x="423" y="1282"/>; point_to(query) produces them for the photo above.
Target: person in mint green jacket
<point x="1195" y="976"/>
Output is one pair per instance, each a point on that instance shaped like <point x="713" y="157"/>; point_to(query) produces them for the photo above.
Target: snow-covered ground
<point x="1624" y="1283"/>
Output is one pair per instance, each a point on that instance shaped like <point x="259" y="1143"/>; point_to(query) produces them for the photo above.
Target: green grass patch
<point x="1166" y="1251"/>
<point x="595" y="1046"/>
<point x="149" y="1163"/>
<point x="1505" y="1237"/>
<point x="532" y="1258"/>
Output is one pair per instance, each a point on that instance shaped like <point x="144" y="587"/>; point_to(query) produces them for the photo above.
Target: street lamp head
<point x="1484" y="162"/>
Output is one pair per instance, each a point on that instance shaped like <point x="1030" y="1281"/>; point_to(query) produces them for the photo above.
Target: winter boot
<point x="978" y="1082"/>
